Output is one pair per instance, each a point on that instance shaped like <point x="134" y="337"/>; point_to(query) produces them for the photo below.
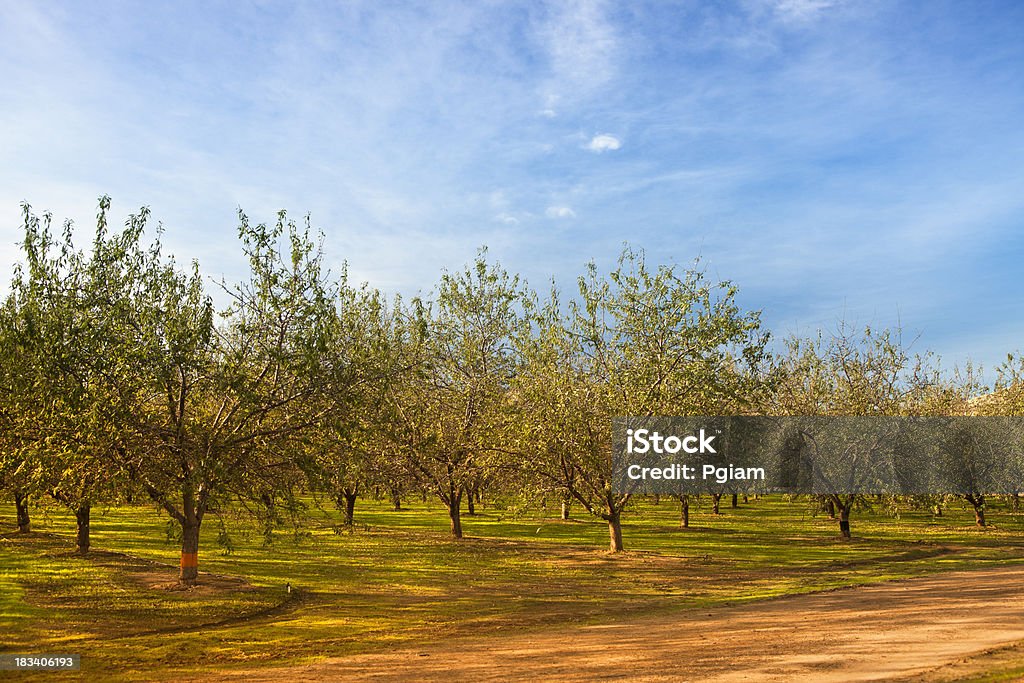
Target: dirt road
<point x="904" y="629"/>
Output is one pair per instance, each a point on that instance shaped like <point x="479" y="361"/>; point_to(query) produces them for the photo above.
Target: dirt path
<point x="910" y="628"/>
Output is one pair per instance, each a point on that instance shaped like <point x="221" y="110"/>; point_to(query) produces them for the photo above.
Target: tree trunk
<point x="716" y="498"/>
<point x="684" y="510"/>
<point x="1015" y="502"/>
<point x="735" y="500"/>
<point x="348" y="497"/>
<point x="82" y="517"/>
<point x="565" y="508"/>
<point x="470" y="503"/>
<point x="396" y="499"/>
<point x="21" y="505"/>
<point x="830" y="508"/>
<point x="455" y="513"/>
<point x="978" y="503"/>
<point x="844" y="521"/>
<point x="615" y="532"/>
<point x="189" y="550"/>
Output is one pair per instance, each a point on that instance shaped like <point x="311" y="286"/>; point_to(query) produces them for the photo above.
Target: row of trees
<point x="119" y="378"/>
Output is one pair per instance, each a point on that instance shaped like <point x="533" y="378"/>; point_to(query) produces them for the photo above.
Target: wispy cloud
<point x="801" y="10"/>
<point x="582" y="47"/>
<point x="559" y="212"/>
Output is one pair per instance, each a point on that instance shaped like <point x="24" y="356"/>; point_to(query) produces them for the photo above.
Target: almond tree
<point x="226" y="406"/>
<point x="638" y="343"/>
<point x="867" y="374"/>
<point x="63" y="331"/>
<point x="16" y="472"/>
<point x="461" y="353"/>
<point x="1006" y="400"/>
<point x="351" y="450"/>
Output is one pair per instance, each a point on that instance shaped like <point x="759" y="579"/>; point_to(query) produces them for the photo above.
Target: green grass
<point x="398" y="578"/>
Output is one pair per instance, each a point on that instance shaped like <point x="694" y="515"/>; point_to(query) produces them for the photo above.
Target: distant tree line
<point x="119" y="380"/>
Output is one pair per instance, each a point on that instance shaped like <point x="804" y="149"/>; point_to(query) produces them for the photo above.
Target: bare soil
<point x="930" y="628"/>
<point x="161" y="576"/>
<point x="209" y="584"/>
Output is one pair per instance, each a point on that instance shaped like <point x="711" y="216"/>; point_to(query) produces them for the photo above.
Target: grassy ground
<point x="397" y="578"/>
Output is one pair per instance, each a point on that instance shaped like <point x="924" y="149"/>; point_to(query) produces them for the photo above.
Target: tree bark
<point x="716" y="499"/>
<point x="396" y="499"/>
<point x="565" y="507"/>
<point x="82" y="515"/>
<point x="470" y="504"/>
<point x="977" y="501"/>
<point x="189" y="550"/>
<point x="21" y="505"/>
<point x="735" y="500"/>
<point x="684" y="511"/>
<point x="844" y="521"/>
<point x="455" y="512"/>
<point x="830" y="508"/>
<point x="615" y="532"/>
<point x="348" y="498"/>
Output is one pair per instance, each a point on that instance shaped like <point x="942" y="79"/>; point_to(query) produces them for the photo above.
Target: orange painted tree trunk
<point x="189" y="571"/>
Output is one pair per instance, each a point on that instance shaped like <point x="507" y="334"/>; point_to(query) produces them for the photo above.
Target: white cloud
<point x="559" y="212"/>
<point x="801" y="10"/>
<point x="507" y="219"/>
<point x="604" y="143"/>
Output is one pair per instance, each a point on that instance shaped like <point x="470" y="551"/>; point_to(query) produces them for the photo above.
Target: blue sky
<point x="857" y="160"/>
